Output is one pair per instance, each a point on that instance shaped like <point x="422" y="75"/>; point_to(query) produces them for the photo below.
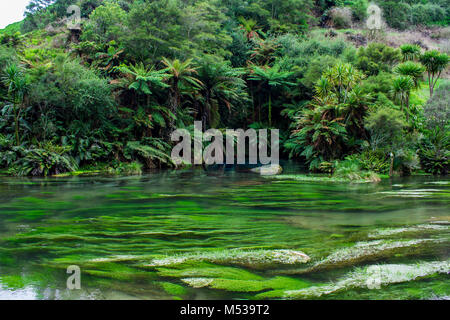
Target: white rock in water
<point x="269" y="170"/>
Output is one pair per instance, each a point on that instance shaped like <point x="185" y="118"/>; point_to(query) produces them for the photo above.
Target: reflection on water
<point x="113" y="227"/>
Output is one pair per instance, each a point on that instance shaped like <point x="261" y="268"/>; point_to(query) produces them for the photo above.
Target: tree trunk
<point x="407" y="107"/>
<point x="174" y="102"/>
<point x="270" y="109"/>
<point x="16" y="125"/>
<point x="391" y="167"/>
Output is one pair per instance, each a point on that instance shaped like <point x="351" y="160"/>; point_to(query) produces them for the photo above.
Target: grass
<point x="325" y="178"/>
<point x="420" y="96"/>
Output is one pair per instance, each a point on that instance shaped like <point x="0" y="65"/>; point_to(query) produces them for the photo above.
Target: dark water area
<point x="194" y="235"/>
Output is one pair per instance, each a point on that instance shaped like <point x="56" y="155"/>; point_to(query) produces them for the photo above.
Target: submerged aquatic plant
<point x="251" y="259"/>
<point x="374" y="276"/>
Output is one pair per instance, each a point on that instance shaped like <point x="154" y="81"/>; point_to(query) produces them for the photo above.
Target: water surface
<point x="114" y="227"/>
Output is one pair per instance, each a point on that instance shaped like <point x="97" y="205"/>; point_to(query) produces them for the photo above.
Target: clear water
<point x="48" y="224"/>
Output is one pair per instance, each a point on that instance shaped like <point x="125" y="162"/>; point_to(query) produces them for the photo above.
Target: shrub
<point x="406" y="161"/>
<point x="372" y="160"/>
<point x="351" y="170"/>
<point x="386" y="128"/>
<point x="44" y="161"/>
<point x="377" y="57"/>
<point x="437" y="109"/>
<point x="292" y="46"/>
<point x="124" y="168"/>
<point x="8" y="153"/>
<point x="341" y="17"/>
<point x="427" y="14"/>
<point x="150" y="151"/>
<point x="359" y="8"/>
<point x="396" y="14"/>
<point x="381" y="82"/>
<point x="410" y="51"/>
<point x="316" y="68"/>
<point x="434" y="151"/>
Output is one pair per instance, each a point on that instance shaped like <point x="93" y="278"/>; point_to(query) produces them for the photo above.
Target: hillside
<point x="107" y="96"/>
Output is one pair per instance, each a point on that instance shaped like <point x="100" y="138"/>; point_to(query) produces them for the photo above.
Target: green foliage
<point x="334" y="123"/>
<point x="427" y="14"/>
<point x="144" y="77"/>
<point x="437" y="109"/>
<point x="434" y="151"/>
<point x="359" y="9"/>
<point x="396" y="14"/>
<point x="124" y="168"/>
<point x="317" y="139"/>
<point x="386" y="129"/>
<point x="316" y="68"/>
<point x="410" y="51"/>
<point x="106" y="23"/>
<point x="273" y="77"/>
<point x="113" y="92"/>
<point x="381" y="83"/>
<point x="155" y="150"/>
<point x="435" y="62"/>
<point x="17" y="87"/>
<point x="372" y="160"/>
<point x="222" y="88"/>
<point x="341" y="17"/>
<point x="43" y="160"/>
<point x="377" y="57"/>
<point x="337" y="82"/>
<point x="411" y="69"/>
<point x="402" y="87"/>
<point x="351" y="170"/>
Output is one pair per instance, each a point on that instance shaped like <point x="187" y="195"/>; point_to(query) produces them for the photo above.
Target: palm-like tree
<point x="221" y="85"/>
<point x="263" y="53"/>
<point x="17" y="84"/>
<point x="250" y="28"/>
<point x="110" y="58"/>
<point x="355" y="111"/>
<point x="142" y="78"/>
<point x="321" y="136"/>
<point x="271" y="77"/>
<point x="412" y="69"/>
<point x="410" y="52"/>
<point x="435" y="62"/>
<point x="339" y="81"/>
<point x="402" y="87"/>
<point x="181" y="74"/>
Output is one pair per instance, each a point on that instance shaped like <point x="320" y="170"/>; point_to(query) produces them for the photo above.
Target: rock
<point x="369" y="251"/>
<point x="413" y="229"/>
<point x="198" y="282"/>
<point x="269" y="170"/>
<point x="254" y="259"/>
<point x="373" y="277"/>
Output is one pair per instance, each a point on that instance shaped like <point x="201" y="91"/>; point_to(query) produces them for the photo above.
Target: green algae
<point x="174" y="289"/>
<point x="417" y="229"/>
<point x="321" y="178"/>
<point x="222" y="230"/>
<point x="372" y="251"/>
<point x="239" y="285"/>
<point x="374" y="277"/>
<point x="207" y="270"/>
<point x="257" y="259"/>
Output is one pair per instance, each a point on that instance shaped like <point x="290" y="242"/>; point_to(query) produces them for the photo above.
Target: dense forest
<point x="349" y="101"/>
